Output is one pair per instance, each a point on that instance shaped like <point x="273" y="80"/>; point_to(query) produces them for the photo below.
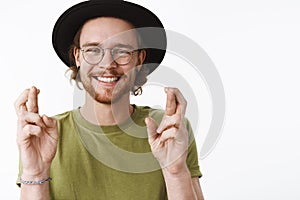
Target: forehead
<point x="108" y="31"/>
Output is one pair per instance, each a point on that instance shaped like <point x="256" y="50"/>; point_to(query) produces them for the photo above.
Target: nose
<point x="107" y="60"/>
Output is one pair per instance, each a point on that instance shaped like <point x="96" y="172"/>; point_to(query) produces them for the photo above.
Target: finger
<point x="151" y="129"/>
<point x="51" y="126"/>
<point x="168" y="134"/>
<point x="168" y="122"/>
<point x="34" y="118"/>
<point x="32" y="130"/>
<point x="171" y="102"/>
<point x="49" y="121"/>
<point x="20" y="103"/>
<point x="32" y="103"/>
<point x="181" y="102"/>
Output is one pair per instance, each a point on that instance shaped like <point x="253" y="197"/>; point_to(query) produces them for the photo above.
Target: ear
<point x="76" y="54"/>
<point x="141" y="58"/>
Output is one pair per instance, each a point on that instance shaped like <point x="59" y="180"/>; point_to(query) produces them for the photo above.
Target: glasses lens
<point x="121" y="56"/>
<point x="93" y="54"/>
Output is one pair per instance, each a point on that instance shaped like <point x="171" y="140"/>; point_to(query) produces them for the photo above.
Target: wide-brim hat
<point x="73" y="18"/>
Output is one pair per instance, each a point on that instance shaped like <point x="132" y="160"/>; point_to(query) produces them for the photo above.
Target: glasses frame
<point x="103" y="54"/>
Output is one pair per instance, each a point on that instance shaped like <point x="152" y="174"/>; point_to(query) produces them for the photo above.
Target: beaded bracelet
<point x="35" y="182"/>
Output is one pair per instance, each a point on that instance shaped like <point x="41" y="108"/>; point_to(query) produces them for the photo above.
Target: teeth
<point x="106" y="79"/>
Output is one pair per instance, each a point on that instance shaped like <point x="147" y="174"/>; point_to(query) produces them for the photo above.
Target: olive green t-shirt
<point x="110" y="162"/>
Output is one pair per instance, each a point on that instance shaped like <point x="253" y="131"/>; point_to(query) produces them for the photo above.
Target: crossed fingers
<point x="176" y="103"/>
<point x="26" y="107"/>
<point x="175" y="110"/>
<point x="27" y="101"/>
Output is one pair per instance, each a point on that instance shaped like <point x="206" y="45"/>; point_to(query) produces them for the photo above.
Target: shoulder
<point x="65" y="124"/>
<point x="64" y="120"/>
<point x="62" y="116"/>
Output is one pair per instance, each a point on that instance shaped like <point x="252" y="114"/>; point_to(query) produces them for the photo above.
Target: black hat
<point x="72" y="19"/>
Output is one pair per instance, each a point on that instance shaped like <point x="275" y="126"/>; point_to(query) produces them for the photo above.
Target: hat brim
<point x="72" y="19"/>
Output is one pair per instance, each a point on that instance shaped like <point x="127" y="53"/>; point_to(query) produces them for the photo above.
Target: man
<point x="101" y="150"/>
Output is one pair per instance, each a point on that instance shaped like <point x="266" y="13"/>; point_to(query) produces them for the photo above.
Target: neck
<point x="106" y="114"/>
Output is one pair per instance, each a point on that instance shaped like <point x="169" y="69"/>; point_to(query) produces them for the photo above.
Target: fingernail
<point x="158" y="130"/>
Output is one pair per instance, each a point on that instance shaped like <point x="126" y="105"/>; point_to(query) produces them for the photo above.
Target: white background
<point x="255" y="46"/>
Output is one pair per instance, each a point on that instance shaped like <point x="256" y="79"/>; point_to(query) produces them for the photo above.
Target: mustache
<point x="107" y="72"/>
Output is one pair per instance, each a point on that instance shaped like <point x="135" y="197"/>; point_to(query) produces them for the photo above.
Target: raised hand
<point x="36" y="136"/>
<point x="169" y="140"/>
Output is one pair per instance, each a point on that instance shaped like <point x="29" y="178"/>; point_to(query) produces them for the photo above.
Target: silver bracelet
<point x="35" y="182"/>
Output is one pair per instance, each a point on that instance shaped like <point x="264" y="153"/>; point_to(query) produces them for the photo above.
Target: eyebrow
<point x="91" y="44"/>
<point x="117" y="45"/>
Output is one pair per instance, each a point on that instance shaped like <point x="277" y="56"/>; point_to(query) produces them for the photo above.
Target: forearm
<point x="179" y="185"/>
<point x="35" y="192"/>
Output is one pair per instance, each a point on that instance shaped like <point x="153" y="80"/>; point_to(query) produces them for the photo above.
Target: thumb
<point x="49" y="122"/>
<point x="151" y="128"/>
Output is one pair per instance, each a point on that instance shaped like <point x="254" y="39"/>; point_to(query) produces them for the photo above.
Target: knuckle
<point x="32" y="130"/>
<point x="38" y="129"/>
<point x="38" y="120"/>
<point x="26" y="129"/>
<point x="173" y="130"/>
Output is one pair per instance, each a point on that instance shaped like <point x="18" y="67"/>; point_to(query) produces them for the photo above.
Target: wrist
<point x="37" y="176"/>
<point x="40" y="182"/>
<point x="176" y="171"/>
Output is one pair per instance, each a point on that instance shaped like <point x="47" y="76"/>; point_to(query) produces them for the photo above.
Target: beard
<point x="108" y="95"/>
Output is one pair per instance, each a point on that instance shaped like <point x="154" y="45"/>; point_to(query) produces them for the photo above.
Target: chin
<point x="110" y="98"/>
<point x="108" y="95"/>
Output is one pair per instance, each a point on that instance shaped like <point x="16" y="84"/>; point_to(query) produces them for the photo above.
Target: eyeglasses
<point x="94" y="54"/>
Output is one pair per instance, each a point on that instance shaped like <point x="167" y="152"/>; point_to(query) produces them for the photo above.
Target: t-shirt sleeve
<point x="192" y="157"/>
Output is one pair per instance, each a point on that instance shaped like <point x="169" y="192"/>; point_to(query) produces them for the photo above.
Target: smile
<point x="107" y="79"/>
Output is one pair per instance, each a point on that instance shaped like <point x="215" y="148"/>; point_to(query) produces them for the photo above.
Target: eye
<point x="120" y="52"/>
<point x="92" y="50"/>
